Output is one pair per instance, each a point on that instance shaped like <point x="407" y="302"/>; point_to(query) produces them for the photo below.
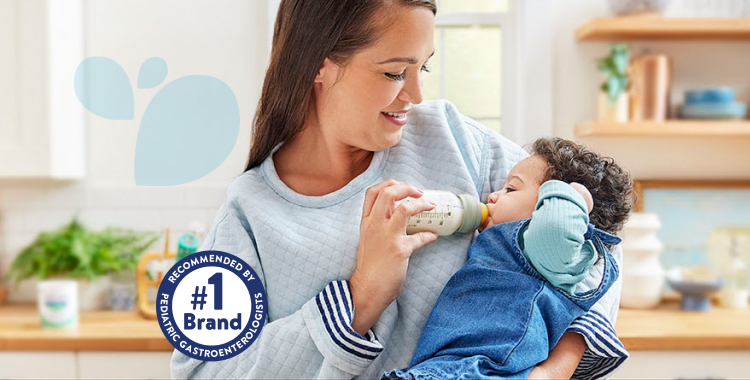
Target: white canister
<point x="58" y="303"/>
<point x="614" y="112"/>
<point x="733" y="298"/>
<point x="642" y="274"/>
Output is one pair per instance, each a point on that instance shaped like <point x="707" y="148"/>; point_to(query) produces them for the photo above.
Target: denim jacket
<point x="497" y="316"/>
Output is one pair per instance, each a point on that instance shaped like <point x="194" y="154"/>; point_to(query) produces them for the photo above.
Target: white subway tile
<point x="139" y="219"/>
<point x="112" y="197"/>
<point x="48" y="220"/>
<point x="211" y="215"/>
<point x="25" y="292"/>
<point x="98" y="219"/>
<point x="162" y="197"/>
<point x="68" y="195"/>
<point x="12" y="221"/>
<point x="15" y="242"/>
<point x="182" y="218"/>
<point x="15" y="198"/>
<point x="204" y="196"/>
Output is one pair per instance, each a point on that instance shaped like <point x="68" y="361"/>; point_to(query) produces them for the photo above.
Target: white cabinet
<point x="685" y="365"/>
<point x="155" y="365"/>
<point x="41" y="120"/>
<point x="124" y="365"/>
<point x="85" y="365"/>
<point x="39" y="365"/>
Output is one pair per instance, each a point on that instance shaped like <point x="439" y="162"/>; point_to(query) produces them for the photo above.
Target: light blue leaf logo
<point x="152" y="72"/>
<point x="102" y="87"/>
<point x="188" y="129"/>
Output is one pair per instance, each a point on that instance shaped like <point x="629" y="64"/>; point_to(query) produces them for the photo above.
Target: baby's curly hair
<point x="611" y="187"/>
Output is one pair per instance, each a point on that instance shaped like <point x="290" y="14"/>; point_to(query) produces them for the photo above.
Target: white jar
<point x="642" y="273"/>
<point x="58" y="303"/>
<point x="452" y="213"/>
<point x="614" y="112"/>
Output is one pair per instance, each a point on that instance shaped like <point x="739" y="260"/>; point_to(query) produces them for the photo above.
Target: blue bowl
<point x="713" y="111"/>
<point x="710" y="95"/>
<point x="695" y="294"/>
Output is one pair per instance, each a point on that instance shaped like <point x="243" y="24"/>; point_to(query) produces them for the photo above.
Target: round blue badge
<point x="211" y="305"/>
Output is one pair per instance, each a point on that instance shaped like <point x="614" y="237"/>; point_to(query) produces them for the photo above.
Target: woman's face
<point x="352" y="101"/>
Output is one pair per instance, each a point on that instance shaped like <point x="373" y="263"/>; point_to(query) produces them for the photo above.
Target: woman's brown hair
<point x="307" y="32"/>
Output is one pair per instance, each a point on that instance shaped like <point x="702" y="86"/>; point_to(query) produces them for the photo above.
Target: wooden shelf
<point x="660" y="28"/>
<point x="676" y="128"/>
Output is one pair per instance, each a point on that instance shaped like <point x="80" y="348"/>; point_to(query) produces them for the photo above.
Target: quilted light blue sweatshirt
<point x="304" y="248"/>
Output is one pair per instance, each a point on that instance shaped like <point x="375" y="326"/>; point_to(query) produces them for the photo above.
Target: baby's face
<point x="517" y="198"/>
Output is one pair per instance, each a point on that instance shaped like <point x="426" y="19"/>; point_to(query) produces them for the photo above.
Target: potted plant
<point x="74" y="252"/>
<point x="613" y="98"/>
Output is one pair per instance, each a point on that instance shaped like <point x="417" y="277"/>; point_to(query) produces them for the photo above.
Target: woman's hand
<point x="539" y="372"/>
<point x="563" y="359"/>
<point x="384" y="249"/>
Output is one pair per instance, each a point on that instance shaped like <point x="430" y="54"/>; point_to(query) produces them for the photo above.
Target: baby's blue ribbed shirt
<point x="553" y="240"/>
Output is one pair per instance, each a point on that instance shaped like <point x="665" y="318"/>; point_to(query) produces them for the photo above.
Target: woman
<point x="339" y="136"/>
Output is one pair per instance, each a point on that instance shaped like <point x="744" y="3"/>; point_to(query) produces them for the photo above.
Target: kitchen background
<point x="541" y="80"/>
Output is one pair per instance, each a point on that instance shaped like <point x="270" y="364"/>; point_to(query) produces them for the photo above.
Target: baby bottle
<point x="452" y="213"/>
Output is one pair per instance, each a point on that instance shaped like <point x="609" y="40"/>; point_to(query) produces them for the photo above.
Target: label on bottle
<point x="444" y="219"/>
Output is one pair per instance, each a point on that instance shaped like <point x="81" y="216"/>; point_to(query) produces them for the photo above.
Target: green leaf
<point x="613" y="89"/>
<point x="623" y="83"/>
<point x="614" y="69"/>
<point x="76" y="252"/>
<point x="621" y="61"/>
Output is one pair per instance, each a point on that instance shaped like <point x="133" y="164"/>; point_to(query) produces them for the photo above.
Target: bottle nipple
<point x="485" y="213"/>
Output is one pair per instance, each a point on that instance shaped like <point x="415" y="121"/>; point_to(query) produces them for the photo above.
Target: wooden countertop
<point x="669" y="328"/>
<point x="665" y="328"/>
<point x="20" y="330"/>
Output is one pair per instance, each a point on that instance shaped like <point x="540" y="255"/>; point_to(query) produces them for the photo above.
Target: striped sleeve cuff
<point x="604" y="351"/>
<point x="330" y="315"/>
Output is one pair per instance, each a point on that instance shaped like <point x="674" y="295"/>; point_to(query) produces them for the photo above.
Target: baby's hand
<point x="584" y="193"/>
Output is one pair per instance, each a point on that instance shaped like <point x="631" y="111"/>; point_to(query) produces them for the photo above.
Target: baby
<point x="523" y="283"/>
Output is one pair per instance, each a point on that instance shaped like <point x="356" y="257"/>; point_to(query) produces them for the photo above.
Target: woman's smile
<point x="398" y="118"/>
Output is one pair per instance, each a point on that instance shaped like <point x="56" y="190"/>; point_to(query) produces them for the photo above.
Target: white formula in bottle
<point x="452" y="213"/>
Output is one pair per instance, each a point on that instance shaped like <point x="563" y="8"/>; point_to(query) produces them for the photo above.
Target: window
<point x="479" y="63"/>
<point x="467" y="66"/>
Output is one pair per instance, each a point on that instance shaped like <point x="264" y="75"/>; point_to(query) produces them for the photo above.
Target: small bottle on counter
<point x="735" y="292"/>
<point x="452" y="213"/>
<point x="187" y="244"/>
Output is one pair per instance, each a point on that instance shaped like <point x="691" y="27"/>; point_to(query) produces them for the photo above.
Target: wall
<point x="695" y="65"/>
<point x="227" y="40"/>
